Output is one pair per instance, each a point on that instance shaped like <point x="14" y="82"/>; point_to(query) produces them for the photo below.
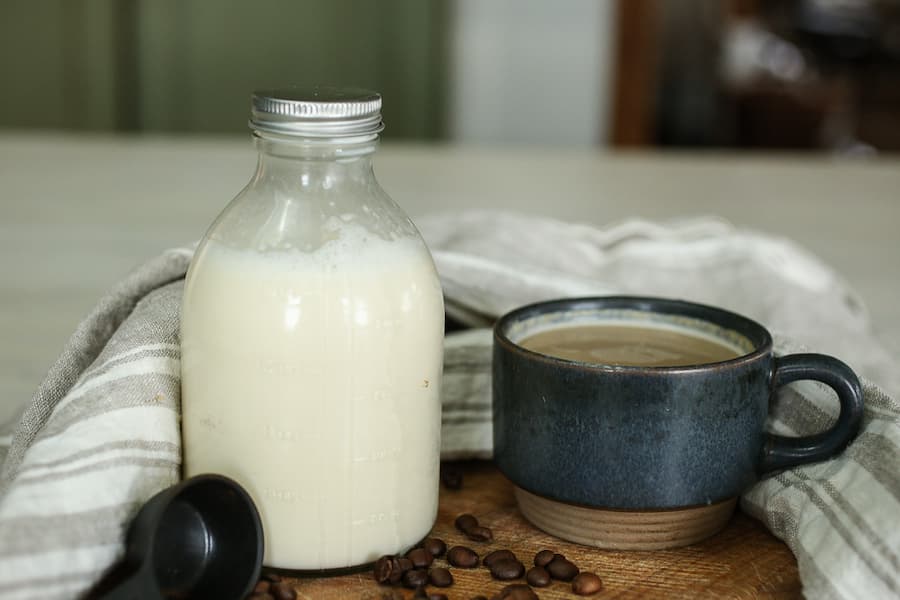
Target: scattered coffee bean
<point x="420" y="557"/>
<point x="460" y="556"/>
<point x="538" y="577"/>
<point x="586" y="584"/>
<point x="437" y="596"/>
<point x="440" y="577"/>
<point x="451" y="477"/>
<point x="383" y="569"/>
<point x="561" y="568"/>
<point x="517" y="591"/>
<point x="271" y="577"/>
<point x="391" y="572"/>
<point x="480" y="534"/>
<point x="466" y="522"/>
<point x="402" y="564"/>
<point x="390" y="569"/>
<point x="505" y="569"/>
<point x="415" y="578"/>
<point x="543" y="558"/>
<point x="497" y="555"/>
<point x="262" y="587"/>
<point x="282" y="591"/>
<point x="436" y="547"/>
<point x="420" y="593"/>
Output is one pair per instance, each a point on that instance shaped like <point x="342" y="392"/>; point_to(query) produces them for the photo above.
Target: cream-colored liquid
<point x="313" y="379"/>
<point x="628" y="345"/>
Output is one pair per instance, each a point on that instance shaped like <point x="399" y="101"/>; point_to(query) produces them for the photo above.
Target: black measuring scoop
<point x="201" y="538"/>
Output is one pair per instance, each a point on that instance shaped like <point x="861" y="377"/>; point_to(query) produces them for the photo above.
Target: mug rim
<point x="650" y="304"/>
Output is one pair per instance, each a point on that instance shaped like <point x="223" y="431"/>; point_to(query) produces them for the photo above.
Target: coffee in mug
<point x="628" y="344"/>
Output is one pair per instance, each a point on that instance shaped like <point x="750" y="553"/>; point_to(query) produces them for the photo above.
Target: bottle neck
<point x="313" y="162"/>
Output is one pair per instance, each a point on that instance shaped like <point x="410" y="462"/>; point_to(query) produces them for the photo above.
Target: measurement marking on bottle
<point x="282" y="435"/>
<point x="287" y="496"/>
<point x="272" y="366"/>
<point x="387" y="323"/>
<point x="377" y="455"/>
<point x="376" y="518"/>
<point x="210" y="422"/>
<point x="381" y="396"/>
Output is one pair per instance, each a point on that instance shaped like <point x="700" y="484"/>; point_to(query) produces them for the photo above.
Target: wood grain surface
<point x="742" y="561"/>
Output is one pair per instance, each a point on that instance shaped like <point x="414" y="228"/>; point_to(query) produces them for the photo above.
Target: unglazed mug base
<point x="624" y="529"/>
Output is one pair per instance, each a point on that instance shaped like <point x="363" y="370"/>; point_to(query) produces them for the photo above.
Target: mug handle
<point x="780" y="452"/>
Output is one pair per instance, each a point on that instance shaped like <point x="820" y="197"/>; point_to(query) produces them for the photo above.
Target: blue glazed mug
<point x="639" y="438"/>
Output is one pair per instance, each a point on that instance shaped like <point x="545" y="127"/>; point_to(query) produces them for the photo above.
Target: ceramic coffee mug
<point x="640" y="456"/>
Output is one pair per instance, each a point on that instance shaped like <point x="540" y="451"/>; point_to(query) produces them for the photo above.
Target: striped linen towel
<point x="101" y="435"/>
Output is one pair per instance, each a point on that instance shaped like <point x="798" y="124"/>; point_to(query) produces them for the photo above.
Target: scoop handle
<point x="139" y="585"/>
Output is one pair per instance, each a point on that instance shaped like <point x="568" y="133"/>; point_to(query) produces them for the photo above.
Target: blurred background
<point x="123" y="126"/>
<point x="795" y="74"/>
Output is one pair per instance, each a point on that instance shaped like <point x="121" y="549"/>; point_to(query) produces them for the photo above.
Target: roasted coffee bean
<point x="505" y="569"/>
<point x="262" y="587"/>
<point x="466" y="522"/>
<point x="420" y="593"/>
<point x="271" y="577"/>
<point x="398" y="566"/>
<point x="561" y="568"/>
<point x="517" y="591"/>
<point x="480" y="534"/>
<point x="460" y="556"/>
<point x="451" y="477"/>
<point x="543" y="558"/>
<point x="283" y="591"/>
<point x="538" y="577"/>
<point x="435" y="546"/>
<point x="586" y="584"/>
<point x="414" y="578"/>
<point x="437" y="596"/>
<point x="420" y="557"/>
<point x="402" y="564"/>
<point x="440" y="577"/>
<point x="497" y="555"/>
<point x="383" y="569"/>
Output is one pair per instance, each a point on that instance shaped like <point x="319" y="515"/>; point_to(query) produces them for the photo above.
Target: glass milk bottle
<point x="311" y="337"/>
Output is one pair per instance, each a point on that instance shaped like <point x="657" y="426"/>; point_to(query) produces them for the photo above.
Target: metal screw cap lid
<point x="317" y="112"/>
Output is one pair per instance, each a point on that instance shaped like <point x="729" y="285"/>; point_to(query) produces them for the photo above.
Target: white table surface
<point x="78" y="212"/>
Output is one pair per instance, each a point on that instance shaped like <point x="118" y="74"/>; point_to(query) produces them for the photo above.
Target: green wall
<point x="190" y="65"/>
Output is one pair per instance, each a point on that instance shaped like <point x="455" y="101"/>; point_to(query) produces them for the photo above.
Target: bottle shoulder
<point x="266" y="217"/>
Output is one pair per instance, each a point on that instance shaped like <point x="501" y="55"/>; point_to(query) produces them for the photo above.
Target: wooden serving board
<point x="742" y="561"/>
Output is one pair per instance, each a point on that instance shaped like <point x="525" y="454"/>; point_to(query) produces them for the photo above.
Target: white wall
<point x="532" y="71"/>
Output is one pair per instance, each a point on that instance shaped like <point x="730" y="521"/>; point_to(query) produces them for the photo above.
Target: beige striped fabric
<point x="101" y="435"/>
